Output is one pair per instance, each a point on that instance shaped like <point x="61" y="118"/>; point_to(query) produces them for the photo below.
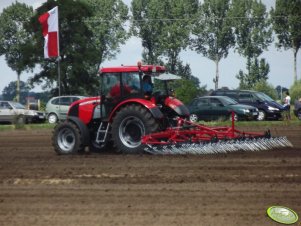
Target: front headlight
<point x="246" y="111"/>
<point x="32" y="113"/>
<point x="272" y="108"/>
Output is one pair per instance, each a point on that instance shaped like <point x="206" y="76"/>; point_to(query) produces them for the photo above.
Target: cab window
<point x="202" y="102"/>
<point x="245" y="97"/>
<point x="110" y="83"/>
<point x="215" y="102"/>
<point x="132" y="81"/>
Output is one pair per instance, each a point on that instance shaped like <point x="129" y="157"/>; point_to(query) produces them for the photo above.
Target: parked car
<point x="11" y="112"/>
<point x="220" y="107"/>
<point x="267" y="107"/>
<point x="297" y="109"/>
<point x="57" y="107"/>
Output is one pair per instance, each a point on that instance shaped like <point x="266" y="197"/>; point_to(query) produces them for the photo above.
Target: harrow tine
<point x="221" y="146"/>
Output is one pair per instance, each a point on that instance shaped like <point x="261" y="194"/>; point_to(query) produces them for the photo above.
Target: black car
<point x="219" y="107"/>
<point x="267" y="107"/>
<point x="297" y="108"/>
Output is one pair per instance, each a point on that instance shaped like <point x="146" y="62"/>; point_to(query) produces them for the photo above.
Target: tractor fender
<point x="177" y="106"/>
<point x="85" y="135"/>
<point x="153" y="109"/>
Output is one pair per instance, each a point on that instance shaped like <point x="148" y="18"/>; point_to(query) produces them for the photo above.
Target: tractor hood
<point x="177" y="105"/>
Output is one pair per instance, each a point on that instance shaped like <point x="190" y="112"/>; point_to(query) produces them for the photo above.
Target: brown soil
<point x="38" y="187"/>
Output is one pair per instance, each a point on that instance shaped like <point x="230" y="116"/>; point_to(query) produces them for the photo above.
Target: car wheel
<point x="193" y="118"/>
<point x="52" y="118"/>
<point x="261" y="115"/>
<point x="20" y="119"/>
<point x="299" y="114"/>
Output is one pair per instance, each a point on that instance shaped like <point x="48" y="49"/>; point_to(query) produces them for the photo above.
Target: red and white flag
<point x="50" y="28"/>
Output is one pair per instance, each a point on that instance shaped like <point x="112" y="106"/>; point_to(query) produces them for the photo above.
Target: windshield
<point x="263" y="97"/>
<point x="17" y="105"/>
<point x="228" y="101"/>
<point x="159" y="85"/>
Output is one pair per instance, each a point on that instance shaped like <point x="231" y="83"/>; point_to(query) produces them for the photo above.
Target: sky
<point x="280" y="61"/>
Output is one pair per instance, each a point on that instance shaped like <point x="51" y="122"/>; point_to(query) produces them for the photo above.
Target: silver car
<point x="57" y="107"/>
<point x="11" y="112"/>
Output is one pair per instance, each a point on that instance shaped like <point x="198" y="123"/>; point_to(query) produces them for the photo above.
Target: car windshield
<point x="228" y="101"/>
<point x="17" y="105"/>
<point x="263" y="97"/>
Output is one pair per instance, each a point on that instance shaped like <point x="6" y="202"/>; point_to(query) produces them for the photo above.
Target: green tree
<point x="147" y="26"/>
<point x="295" y="91"/>
<point x="10" y="93"/>
<point x="212" y="32"/>
<point x="15" y="41"/>
<point x="258" y="72"/>
<point x="189" y="86"/>
<point x="287" y="26"/>
<point x="164" y="28"/>
<point x="107" y="24"/>
<point x="186" y="90"/>
<point x="253" y="34"/>
<point x="90" y="32"/>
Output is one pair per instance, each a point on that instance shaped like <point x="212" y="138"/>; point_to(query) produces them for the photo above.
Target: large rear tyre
<point x="129" y="125"/>
<point x="66" y="139"/>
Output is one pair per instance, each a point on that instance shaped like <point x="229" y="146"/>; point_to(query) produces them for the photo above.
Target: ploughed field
<point x="38" y="187"/>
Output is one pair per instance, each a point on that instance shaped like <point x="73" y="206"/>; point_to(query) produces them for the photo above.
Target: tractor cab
<point x="128" y="81"/>
<point x="148" y="83"/>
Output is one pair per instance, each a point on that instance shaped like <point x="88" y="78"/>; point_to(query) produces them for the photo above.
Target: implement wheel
<point x="66" y="138"/>
<point x="129" y="125"/>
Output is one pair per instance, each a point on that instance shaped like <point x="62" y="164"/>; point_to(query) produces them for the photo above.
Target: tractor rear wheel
<point x="66" y="138"/>
<point x="129" y="125"/>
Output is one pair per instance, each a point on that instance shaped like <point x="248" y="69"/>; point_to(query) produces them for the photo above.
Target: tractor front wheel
<point x="129" y="125"/>
<point x="66" y="138"/>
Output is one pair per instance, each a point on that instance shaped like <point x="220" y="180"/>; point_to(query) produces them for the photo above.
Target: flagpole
<point x="59" y="74"/>
<point x="59" y="56"/>
<point x="59" y="61"/>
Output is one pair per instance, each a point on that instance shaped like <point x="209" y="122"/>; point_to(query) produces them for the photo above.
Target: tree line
<point x="92" y="31"/>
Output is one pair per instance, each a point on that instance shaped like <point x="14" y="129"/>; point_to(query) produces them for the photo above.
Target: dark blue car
<point x="297" y="108"/>
<point x="267" y="107"/>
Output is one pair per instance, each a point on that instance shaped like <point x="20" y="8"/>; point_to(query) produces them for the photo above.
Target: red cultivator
<point x="192" y="138"/>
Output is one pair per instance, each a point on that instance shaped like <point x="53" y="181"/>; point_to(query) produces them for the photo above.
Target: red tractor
<point x="134" y="116"/>
<point x="126" y="110"/>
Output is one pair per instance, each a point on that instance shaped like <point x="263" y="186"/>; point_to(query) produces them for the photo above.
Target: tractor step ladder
<point x="102" y="132"/>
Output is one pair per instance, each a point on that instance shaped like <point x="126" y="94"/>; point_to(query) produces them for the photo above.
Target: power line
<point x="194" y="19"/>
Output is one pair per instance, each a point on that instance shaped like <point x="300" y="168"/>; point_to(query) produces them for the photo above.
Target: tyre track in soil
<point x="38" y="187"/>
